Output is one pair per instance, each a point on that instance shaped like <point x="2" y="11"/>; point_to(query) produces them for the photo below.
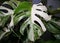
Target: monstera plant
<point x="32" y="20"/>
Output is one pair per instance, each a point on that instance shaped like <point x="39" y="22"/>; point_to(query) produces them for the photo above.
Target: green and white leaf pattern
<point x="36" y="23"/>
<point x="33" y="25"/>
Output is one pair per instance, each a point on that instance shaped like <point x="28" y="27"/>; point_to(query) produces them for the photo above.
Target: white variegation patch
<point x="11" y="23"/>
<point x="6" y="30"/>
<point x="8" y="13"/>
<point x="41" y="13"/>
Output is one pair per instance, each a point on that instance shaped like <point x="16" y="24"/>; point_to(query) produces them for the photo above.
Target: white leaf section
<point x="8" y="13"/>
<point x="35" y="29"/>
<point x="31" y="34"/>
<point x="6" y="29"/>
<point x="34" y="18"/>
<point x="41" y="13"/>
<point x="40" y="10"/>
<point x="11" y="23"/>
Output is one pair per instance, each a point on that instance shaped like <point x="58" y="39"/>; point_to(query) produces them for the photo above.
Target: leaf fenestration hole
<point x="37" y="23"/>
<point x="7" y="6"/>
<point x="44" y="11"/>
<point x="14" y="3"/>
<point x="4" y="10"/>
<point x="38" y="9"/>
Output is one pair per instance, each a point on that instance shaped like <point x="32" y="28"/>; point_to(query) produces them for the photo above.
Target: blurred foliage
<point x="22" y="23"/>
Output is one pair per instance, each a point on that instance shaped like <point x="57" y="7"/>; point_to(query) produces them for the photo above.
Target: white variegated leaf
<point x="33" y="34"/>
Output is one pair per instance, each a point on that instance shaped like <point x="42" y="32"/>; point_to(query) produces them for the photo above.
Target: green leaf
<point x="3" y="20"/>
<point x="2" y="34"/>
<point x="37" y="31"/>
<point x="57" y="36"/>
<point x="23" y="6"/>
<point x="25" y="24"/>
<point x="51" y="28"/>
<point x="20" y="16"/>
<point x="55" y="24"/>
<point x="53" y="12"/>
<point x="32" y="33"/>
<point x="36" y="26"/>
